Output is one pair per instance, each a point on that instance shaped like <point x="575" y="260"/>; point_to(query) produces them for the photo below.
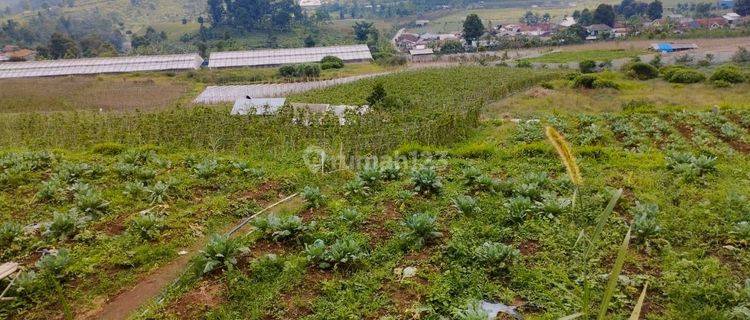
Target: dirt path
<point x="127" y="302"/>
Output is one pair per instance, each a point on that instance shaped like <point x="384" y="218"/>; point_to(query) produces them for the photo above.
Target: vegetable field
<point x="430" y="207"/>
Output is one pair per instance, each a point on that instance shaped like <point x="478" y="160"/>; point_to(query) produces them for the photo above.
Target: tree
<point x="452" y="46"/>
<point x="742" y="7"/>
<point x="546" y="17"/>
<point x="655" y="10"/>
<point x="530" y="18"/>
<point x="377" y="95"/>
<point x="362" y="30"/>
<point x="216" y="11"/>
<point x="61" y="46"/>
<point x="586" y="18"/>
<point x="309" y="41"/>
<point x="604" y="14"/>
<point x="473" y="27"/>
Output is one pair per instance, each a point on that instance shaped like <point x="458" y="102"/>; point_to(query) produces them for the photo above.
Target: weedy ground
<point x="490" y="215"/>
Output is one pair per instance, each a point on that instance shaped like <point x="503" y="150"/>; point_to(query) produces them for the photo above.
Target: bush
<point x="524" y="64"/>
<point x="421" y="228"/>
<point x="587" y="66"/>
<point x="640" y="70"/>
<point x="475" y="150"/>
<point x="220" y="253"/>
<point x="668" y="71"/>
<point x="722" y="84"/>
<point x="584" y="81"/>
<point x="729" y="74"/>
<point x="741" y="56"/>
<point x="686" y="76"/>
<point x="331" y="62"/>
<point x="300" y="70"/>
<point x="600" y="83"/>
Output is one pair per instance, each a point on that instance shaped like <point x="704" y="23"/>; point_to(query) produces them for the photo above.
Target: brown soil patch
<point x="685" y="131"/>
<point x="263" y="193"/>
<point x="529" y="247"/>
<point x="375" y="226"/>
<point x="538" y="92"/>
<point x="199" y="300"/>
<point x="298" y="303"/>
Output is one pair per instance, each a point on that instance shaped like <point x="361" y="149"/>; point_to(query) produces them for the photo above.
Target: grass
<point x="595" y="55"/>
<point x="520" y="244"/>
<point x="656" y="92"/>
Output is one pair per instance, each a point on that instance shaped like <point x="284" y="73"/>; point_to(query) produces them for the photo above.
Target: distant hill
<point x="136" y="14"/>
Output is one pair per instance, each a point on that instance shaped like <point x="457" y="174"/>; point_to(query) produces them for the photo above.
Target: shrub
<point x="587" y="66"/>
<point x="524" y="64"/>
<point x="147" y="226"/>
<point x="741" y="56"/>
<point x="221" y="252"/>
<point x="686" y="76"/>
<point x="600" y="83"/>
<point x="9" y="232"/>
<point x="331" y="62"/>
<point x="426" y="181"/>
<point x="584" y="81"/>
<point x="640" y="70"/>
<point x="466" y="204"/>
<point x="721" y="84"/>
<point x="63" y="226"/>
<point x="729" y="74"/>
<point x="313" y="197"/>
<point x="280" y="227"/>
<point x="645" y="225"/>
<point x="421" y="228"/>
<point x="300" y="70"/>
<point x="476" y="150"/>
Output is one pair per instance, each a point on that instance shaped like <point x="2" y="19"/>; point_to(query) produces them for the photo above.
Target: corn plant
<point x="147" y="226"/>
<point x="466" y="205"/>
<point x="313" y="197"/>
<point x="426" y="181"/>
<point x="63" y="226"/>
<point x="420" y="229"/>
<point x="220" y="253"/>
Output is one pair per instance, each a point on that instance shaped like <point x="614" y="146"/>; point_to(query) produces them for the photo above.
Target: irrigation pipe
<point x="248" y="219"/>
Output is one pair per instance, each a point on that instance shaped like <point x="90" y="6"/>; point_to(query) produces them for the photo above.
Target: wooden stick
<point x="246" y="220"/>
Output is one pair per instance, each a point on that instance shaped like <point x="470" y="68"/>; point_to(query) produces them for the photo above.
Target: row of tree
<point x="254" y="15"/>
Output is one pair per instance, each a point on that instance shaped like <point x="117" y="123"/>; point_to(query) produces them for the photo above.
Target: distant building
<point x="310" y="3"/>
<point x="711" y="23"/>
<point x="568" y="22"/>
<point x="422" y="23"/>
<point x="733" y="19"/>
<point x="15" y="54"/>
<point x="672" y="47"/>
<point x="421" y="54"/>
<point x="598" y="31"/>
<point x="725" y="4"/>
<point x="407" y="41"/>
<point x="277" y="57"/>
